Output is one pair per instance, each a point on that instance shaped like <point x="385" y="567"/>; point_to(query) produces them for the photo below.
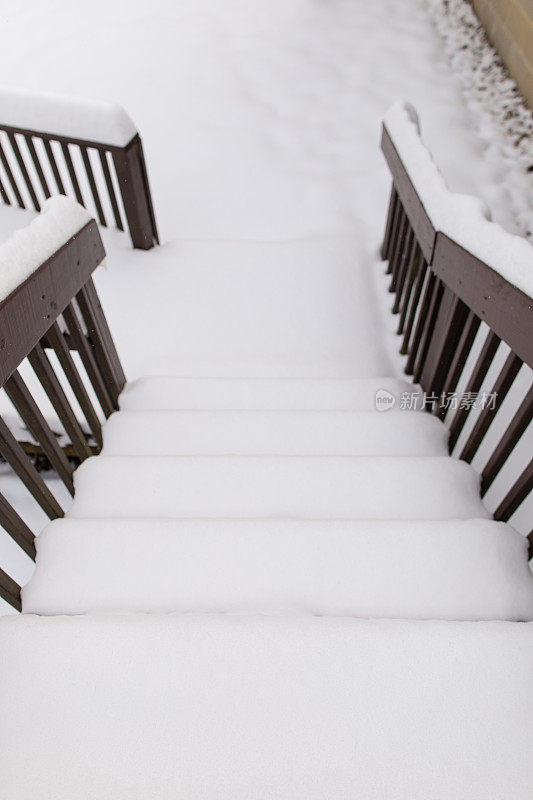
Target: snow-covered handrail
<point x="48" y="302"/>
<point x="451" y="269"/>
<point x="61" y="145"/>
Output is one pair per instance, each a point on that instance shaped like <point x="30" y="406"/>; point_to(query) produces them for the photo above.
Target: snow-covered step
<point x="308" y="487"/>
<point x="267" y="393"/>
<point x="274" y="433"/>
<point x="179" y="706"/>
<point x="455" y="570"/>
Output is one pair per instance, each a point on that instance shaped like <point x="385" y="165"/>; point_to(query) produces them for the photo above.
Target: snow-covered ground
<point x="261" y="124"/>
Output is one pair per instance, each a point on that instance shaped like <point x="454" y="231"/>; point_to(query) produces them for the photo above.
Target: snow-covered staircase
<point x="329" y="512"/>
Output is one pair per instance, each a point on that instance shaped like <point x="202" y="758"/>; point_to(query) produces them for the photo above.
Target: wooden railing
<point x="55" y="311"/>
<point x="40" y="158"/>
<point x="456" y="309"/>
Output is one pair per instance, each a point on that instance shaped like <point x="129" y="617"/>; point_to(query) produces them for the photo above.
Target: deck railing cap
<point x="63" y="116"/>
<point x="29" y="247"/>
<point x="463" y="218"/>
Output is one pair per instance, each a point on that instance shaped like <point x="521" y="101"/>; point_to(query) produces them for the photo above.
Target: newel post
<point x="135" y="191"/>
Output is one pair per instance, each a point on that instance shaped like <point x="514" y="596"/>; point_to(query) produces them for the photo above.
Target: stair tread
<point x="308" y="487"/>
<point x="235" y="707"/>
<point x="357" y="394"/>
<point x="473" y="569"/>
<point x="274" y="433"/>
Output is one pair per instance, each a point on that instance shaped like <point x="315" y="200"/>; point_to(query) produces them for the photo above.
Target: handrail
<point x="452" y="269"/>
<point x="53" y="145"/>
<point x="53" y="307"/>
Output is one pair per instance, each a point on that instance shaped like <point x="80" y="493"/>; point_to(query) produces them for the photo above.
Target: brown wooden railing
<point x="55" y="311"/>
<point x="108" y="178"/>
<point x="442" y="294"/>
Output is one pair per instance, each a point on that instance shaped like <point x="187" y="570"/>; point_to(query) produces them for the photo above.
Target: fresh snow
<point x="28" y="248"/>
<point x="455" y="570"/>
<point x="73" y="117"/>
<point x="188" y="707"/>
<point x="464" y="219"/>
<point x="164" y="433"/>
<point x="311" y="487"/>
<point x="284" y="394"/>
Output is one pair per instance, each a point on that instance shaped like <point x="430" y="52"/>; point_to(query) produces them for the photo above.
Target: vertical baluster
<point x="22" y="166"/>
<point x="15" y="526"/>
<point x="72" y="173"/>
<point x="53" y="165"/>
<point x="10" y="591"/>
<point x="419" y="284"/>
<point x="11" y="177"/>
<point x="388" y="227"/>
<point x="457" y="365"/>
<point x="516" y="496"/>
<point x="57" y="341"/>
<point x="500" y="390"/>
<point x="22" y="466"/>
<point x="507" y="443"/>
<point x="92" y="184"/>
<point x="88" y="360"/>
<point x="37" y="164"/>
<point x="21" y="397"/>
<point x="50" y="383"/>
<point x="428" y="329"/>
<point x="405" y="269"/>
<point x="110" y="189"/>
<point x="488" y="351"/>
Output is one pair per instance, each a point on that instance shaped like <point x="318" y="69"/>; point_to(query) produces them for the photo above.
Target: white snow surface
<point x="463" y="218"/>
<point x="61" y="218"/>
<point x="275" y="394"/>
<point x="163" y="433"/>
<point x="70" y="116"/>
<point x="309" y="487"/>
<point x="455" y="570"/>
<point x="185" y="707"/>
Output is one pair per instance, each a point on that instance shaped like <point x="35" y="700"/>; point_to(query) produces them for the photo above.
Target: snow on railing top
<point x="69" y="117"/>
<point x="463" y="218"/>
<point x="28" y="248"/>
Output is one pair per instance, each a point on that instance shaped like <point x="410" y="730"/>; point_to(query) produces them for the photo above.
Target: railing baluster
<point x="423" y="268"/>
<point x="21" y="397"/>
<point x="88" y="360"/>
<point x="516" y="496"/>
<point x="507" y="442"/>
<point x="22" y="466"/>
<point x="413" y="271"/>
<point x="15" y="526"/>
<point x="457" y="365"/>
<point x="10" y="591"/>
<point x="397" y="248"/>
<point x="500" y="390"/>
<point x="72" y="173"/>
<point x="37" y="164"/>
<point x="22" y="166"/>
<point x="110" y="189"/>
<point x="104" y="348"/>
<point x="53" y="165"/>
<point x="4" y="194"/>
<point x="485" y="358"/>
<point x="50" y="383"/>
<point x="405" y="269"/>
<point x="388" y="227"/>
<point x="93" y="187"/>
<point x="420" y="323"/>
<point x="450" y="323"/>
<point x="11" y="177"/>
<point x="428" y="328"/>
<point x="57" y="341"/>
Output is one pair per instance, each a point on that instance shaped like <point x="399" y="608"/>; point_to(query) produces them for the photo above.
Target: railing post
<point x="135" y="191"/>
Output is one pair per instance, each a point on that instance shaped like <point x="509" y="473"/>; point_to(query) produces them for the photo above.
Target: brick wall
<point x="509" y="26"/>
